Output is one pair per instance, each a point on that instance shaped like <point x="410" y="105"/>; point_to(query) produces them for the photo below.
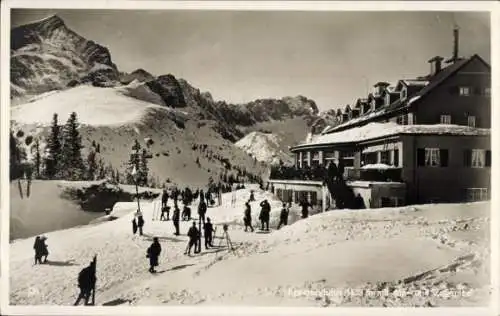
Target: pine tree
<point x="92" y="167"/>
<point x="143" y="168"/>
<point x="38" y="159"/>
<point x="72" y="166"/>
<point x="53" y="159"/>
<point x="134" y="161"/>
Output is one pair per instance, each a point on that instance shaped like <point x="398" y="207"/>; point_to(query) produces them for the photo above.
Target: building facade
<point x="424" y="140"/>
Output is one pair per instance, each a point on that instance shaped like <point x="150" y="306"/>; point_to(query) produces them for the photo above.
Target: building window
<point x="432" y="157"/>
<point x="396" y="158"/>
<point x="464" y="91"/>
<point x="471" y="121"/>
<point x="477" y="158"/>
<point x="445" y="119"/>
<point x="387" y="99"/>
<point x="476" y="194"/>
<point x="385" y="157"/>
<point x="411" y="119"/>
<point x="403" y="94"/>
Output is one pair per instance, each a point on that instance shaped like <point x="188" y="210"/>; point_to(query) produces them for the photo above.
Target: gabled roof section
<point x="417" y="89"/>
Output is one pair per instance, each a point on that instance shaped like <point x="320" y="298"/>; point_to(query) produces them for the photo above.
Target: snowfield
<point x="427" y="255"/>
<point x="86" y="101"/>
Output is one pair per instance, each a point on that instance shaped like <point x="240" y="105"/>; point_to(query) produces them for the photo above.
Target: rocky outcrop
<point x="140" y="75"/>
<point x="46" y="55"/>
<point x="169" y="89"/>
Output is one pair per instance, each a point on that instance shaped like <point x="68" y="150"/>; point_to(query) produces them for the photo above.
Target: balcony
<point x="374" y="173"/>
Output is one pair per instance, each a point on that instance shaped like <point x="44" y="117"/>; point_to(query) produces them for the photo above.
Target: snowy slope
<point x="94" y="106"/>
<point x="264" y="147"/>
<point x="355" y="249"/>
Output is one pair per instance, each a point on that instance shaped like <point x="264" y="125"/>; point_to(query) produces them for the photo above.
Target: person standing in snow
<point x="252" y="197"/>
<point x="305" y="208"/>
<point x="202" y="210"/>
<point x="247" y="218"/>
<point x="283" y="216"/>
<point x="38" y="250"/>
<point x="264" y="214"/>
<point x="164" y="199"/>
<point x="153" y="253"/>
<point x="140" y="221"/>
<point x="176" y="218"/>
<point x="44" y="251"/>
<point x="186" y="213"/>
<point x="208" y="229"/>
<point x="86" y="283"/>
<point x="193" y="238"/>
<point x="165" y="209"/>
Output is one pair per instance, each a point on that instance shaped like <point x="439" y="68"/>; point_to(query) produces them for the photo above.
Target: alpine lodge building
<point x="422" y="140"/>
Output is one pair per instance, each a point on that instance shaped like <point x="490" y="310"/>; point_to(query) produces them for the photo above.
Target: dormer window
<point x="403" y="94"/>
<point x="387" y="99"/>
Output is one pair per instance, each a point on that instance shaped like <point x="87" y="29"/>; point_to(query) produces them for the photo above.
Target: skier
<point x="164" y="199"/>
<point x="165" y="209"/>
<point x="283" y="216"/>
<point x="153" y="253"/>
<point x="208" y="229"/>
<point x="202" y="210"/>
<point x="193" y="238"/>
<point x="208" y="198"/>
<point x="86" y="283"/>
<point x="247" y="219"/>
<point x="305" y="208"/>
<point x="264" y="214"/>
<point x="186" y="213"/>
<point x="140" y="221"/>
<point x="38" y="251"/>
<point x="134" y="226"/>
<point x="176" y="218"/>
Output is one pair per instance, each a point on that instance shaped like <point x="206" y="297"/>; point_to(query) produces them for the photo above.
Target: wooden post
<point x="323" y="198"/>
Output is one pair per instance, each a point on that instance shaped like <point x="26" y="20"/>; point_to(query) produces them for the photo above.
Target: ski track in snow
<point x="336" y="249"/>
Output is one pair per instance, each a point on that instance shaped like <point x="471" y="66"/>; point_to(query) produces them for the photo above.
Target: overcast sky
<point x="330" y="57"/>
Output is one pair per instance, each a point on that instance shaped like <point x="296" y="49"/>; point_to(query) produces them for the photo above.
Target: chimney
<point x="454" y="56"/>
<point x="435" y="64"/>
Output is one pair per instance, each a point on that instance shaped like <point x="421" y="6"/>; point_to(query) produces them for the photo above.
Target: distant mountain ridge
<point x="47" y="56"/>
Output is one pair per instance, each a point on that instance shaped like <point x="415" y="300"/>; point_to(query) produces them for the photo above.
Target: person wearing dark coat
<point x="176" y="218"/>
<point x="193" y="238"/>
<point x="247" y="219"/>
<point x="208" y="229"/>
<point x="305" y="208"/>
<point x="202" y="210"/>
<point x="86" y="283"/>
<point x="283" y="216"/>
<point x="140" y="221"/>
<point x="164" y="199"/>
<point x="264" y="214"/>
<point x="252" y="197"/>
<point x="186" y="213"/>
<point x="38" y="250"/>
<point x="153" y="253"/>
<point x="44" y="251"/>
<point x="165" y="209"/>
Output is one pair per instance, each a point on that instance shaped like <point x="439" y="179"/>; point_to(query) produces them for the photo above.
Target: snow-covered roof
<point x="377" y="130"/>
<point x="412" y="82"/>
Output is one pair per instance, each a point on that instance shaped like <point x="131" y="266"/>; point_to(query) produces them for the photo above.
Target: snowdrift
<point x="367" y="250"/>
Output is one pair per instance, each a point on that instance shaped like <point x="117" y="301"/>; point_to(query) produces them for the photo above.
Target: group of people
<point x="41" y="250"/>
